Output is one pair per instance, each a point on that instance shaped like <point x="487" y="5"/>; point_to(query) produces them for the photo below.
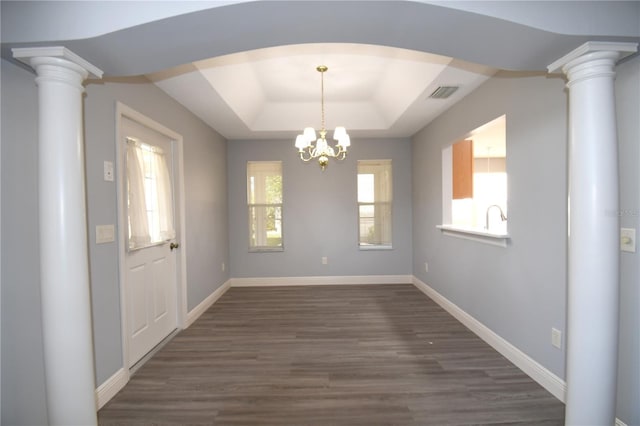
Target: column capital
<point x="597" y="49"/>
<point x="27" y="55"/>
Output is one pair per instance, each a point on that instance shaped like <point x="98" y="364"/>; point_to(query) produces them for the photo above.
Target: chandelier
<point x="322" y="150"/>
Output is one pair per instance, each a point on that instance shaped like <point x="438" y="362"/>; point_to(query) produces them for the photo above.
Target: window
<point x="374" y="203"/>
<point x="475" y="180"/>
<point x="264" y="201"/>
<point x="149" y="196"/>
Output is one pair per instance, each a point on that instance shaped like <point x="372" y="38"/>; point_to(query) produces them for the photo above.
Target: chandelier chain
<point x="322" y="96"/>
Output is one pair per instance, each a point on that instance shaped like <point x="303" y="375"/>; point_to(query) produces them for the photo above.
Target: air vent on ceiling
<point x="443" y="92"/>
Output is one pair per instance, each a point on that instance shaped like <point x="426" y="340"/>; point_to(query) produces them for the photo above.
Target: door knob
<point x="174" y="246"/>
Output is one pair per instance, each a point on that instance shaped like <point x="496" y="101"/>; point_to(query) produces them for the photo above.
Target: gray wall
<point x="320" y="213"/>
<point x="204" y="169"/>
<point x="520" y="291"/>
<point x="517" y="291"/>
<point x="206" y="220"/>
<point x="628" y="109"/>
<point x="205" y="199"/>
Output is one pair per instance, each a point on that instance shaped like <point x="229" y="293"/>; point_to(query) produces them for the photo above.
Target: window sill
<point x="373" y="247"/>
<point x="265" y="249"/>
<point x="474" y="234"/>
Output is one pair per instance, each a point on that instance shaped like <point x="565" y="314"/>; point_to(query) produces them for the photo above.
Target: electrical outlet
<point x="325" y="260"/>
<point x="426" y="267"/>
<point x="628" y="239"/>
<point x="556" y="337"/>
<point x="223" y="267"/>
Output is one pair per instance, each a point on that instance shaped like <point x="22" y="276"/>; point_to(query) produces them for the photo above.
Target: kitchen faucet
<point x="502" y="216"/>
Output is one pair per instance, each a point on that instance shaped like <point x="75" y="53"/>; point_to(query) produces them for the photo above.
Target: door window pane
<point x="149" y="196"/>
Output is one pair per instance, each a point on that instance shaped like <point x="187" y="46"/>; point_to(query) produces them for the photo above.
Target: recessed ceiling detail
<point x="374" y="91"/>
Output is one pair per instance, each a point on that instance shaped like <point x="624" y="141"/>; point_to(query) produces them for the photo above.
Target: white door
<point x="150" y="260"/>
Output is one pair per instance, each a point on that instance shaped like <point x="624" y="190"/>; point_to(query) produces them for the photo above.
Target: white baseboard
<point x="332" y="280"/>
<point x="195" y="313"/>
<point x="620" y="422"/>
<point x="554" y="384"/>
<point x="111" y="387"/>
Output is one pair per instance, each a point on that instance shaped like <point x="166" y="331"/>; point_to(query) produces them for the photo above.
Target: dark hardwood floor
<point x="330" y="355"/>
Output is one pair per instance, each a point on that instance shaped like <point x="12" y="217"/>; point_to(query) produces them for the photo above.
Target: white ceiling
<point x="255" y="90"/>
<point x="374" y="91"/>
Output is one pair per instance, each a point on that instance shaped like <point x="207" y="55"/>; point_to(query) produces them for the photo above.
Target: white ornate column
<point x="64" y="260"/>
<point x="594" y="233"/>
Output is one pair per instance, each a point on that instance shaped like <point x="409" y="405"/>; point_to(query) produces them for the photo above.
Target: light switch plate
<point x="105" y="234"/>
<point x="628" y="239"/>
<point x="556" y="338"/>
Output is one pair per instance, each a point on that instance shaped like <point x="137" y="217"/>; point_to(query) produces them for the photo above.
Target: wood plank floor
<point x="329" y="355"/>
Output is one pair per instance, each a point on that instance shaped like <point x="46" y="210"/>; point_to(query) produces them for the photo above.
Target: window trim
<point x="389" y="202"/>
<point x="250" y="206"/>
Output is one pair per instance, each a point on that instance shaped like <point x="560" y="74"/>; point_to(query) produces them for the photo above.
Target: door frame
<point x="122" y="111"/>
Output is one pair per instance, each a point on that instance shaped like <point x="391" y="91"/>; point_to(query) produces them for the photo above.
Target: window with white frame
<point x="149" y="196"/>
<point x="374" y="204"/>
<point x="264" y="201"/>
